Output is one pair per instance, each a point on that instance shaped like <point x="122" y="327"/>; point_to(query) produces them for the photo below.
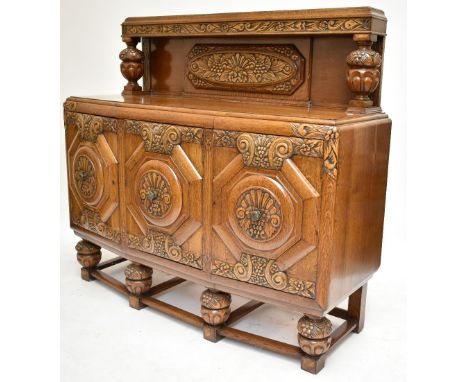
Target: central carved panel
<point x="258" y="214"/>
<point x="258" y="68"/>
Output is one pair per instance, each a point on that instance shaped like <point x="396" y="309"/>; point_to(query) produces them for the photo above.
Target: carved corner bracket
<point x="163" y="245"/>
<point x="264" y="272"/>
<point x="161" y="138"/>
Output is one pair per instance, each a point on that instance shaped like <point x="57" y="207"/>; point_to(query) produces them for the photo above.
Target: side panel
<point x="360" y="206"/>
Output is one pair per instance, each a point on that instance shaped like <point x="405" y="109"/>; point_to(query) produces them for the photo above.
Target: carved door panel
<point x="93" y="173"/>
<point x="163" y="190"/>
<point x="267" y="211"/>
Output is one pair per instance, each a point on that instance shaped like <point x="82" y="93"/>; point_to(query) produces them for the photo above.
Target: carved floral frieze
<point x="250" y="27"/>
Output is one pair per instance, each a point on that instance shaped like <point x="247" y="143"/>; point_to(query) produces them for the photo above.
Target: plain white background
<point x="102" y="337"/>
<point x="35" y="238"/>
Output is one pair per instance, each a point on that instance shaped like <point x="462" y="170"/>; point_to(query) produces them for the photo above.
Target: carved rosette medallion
<point x="155" y="194"/>
<point x="264" y="272"/>
<point x="258" y="214"/>
<point x="276" y="69"/>
<point x="85" y="176"/>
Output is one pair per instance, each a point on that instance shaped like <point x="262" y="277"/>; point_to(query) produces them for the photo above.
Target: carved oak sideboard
<point x="252" y="160"/>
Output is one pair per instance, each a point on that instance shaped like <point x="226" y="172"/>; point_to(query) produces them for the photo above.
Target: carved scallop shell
<point x="155" y="194"/>
<point x="258" y="214"/>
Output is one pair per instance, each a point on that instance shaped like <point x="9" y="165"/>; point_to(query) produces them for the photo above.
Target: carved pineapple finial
<point x="363" y="75"/>
<point x="132" y="65"/>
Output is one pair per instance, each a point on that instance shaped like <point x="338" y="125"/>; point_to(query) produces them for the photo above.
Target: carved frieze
<point x="250" y="27"/>
<point x="91" y="221"/>
<point x="265" y="272"/>
<point x="163" y="245"/>
<point x="161" y="138"/>
<point x="90" y="126"/>
<point x="257" y="68"/>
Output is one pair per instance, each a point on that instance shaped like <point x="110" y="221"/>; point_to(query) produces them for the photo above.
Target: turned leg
<point x="314" y="339"/>
<point x="357" y="307"/>
<point x="138" y="279"/>
<point x="215" y="310"/>
<point x="88" y="255"/>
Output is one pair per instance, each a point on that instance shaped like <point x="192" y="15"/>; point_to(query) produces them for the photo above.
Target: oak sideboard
<point x="251" y="159"/>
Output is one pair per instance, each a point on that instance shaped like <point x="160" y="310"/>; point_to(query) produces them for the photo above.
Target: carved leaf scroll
<point x="264" y="272"/>
<point x="250" y="27"/>
<point x="163" y="245"/>
<point x="277" y="69"/>
<point x="161" y="138"/>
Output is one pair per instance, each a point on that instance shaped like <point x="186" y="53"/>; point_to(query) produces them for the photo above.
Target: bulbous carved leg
<point x="138" y="279"/>
<point x="215" y="310"/>
<point x="314" y="339"/>
<point x="88" y="255"/>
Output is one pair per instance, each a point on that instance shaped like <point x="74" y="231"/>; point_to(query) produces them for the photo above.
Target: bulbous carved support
<point x="215" y="310"/>
<point x="88" y="255"/>
<point x="132" y="65"/>
<point x="314" y="337"/>
<point x="363" y="75"/>
<point x="138" y="279"/>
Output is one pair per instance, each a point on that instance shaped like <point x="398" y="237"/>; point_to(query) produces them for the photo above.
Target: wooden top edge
<point x="365" y="12"/>
<point x="291" y="114"/>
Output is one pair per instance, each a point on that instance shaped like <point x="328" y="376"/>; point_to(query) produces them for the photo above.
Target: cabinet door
<point x="93" y="173"/>
<point x="266" y="210"/>
<point x="163" y="190"/>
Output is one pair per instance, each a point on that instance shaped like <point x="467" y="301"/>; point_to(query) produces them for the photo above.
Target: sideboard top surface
<point x="221" y="108"/>
<point x="308" y="21"/>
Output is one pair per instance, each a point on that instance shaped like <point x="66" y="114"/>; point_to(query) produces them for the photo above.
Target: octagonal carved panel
<point x="92" y="174"/>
